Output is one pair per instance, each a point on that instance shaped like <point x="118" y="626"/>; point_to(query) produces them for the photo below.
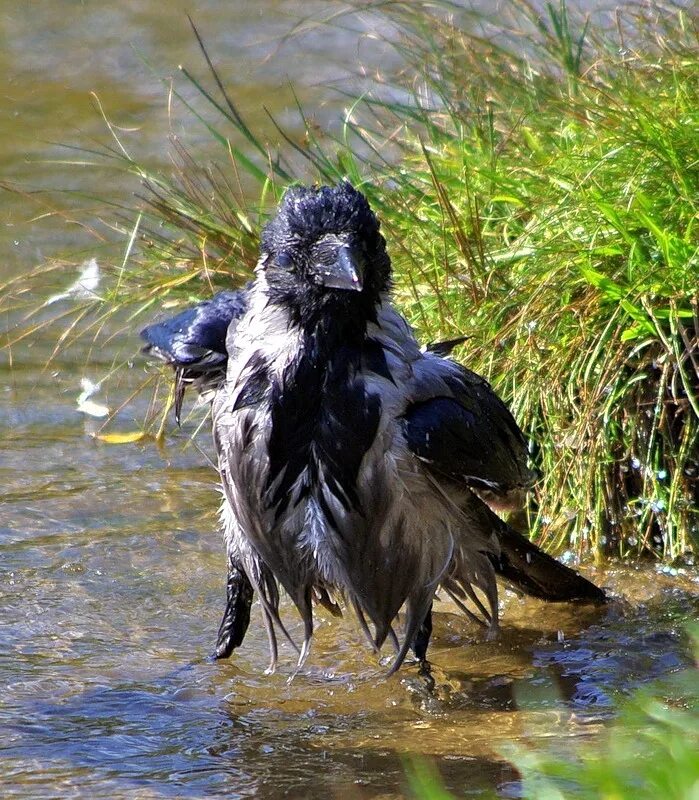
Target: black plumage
<point x="235" y="621"/>
<point x="355" y="466"/>
<point x="194" y="342"/>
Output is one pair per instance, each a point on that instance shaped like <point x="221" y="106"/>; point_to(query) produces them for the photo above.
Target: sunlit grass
<point x="538" y="182"/>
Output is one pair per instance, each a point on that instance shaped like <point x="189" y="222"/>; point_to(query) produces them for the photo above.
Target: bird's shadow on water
<point x="215" y="729"/>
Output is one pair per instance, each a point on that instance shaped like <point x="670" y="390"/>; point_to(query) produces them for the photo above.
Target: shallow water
<point x="111" y="567"/>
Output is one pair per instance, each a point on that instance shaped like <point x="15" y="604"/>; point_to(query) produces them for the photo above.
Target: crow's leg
<point x="236" y="617"/>
<point x="422" y="638"/>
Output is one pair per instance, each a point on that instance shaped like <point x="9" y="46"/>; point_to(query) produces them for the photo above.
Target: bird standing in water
<point x="356" y="467"/>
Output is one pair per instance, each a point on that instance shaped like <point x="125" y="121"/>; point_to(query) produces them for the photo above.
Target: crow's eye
<point x="284" y="260"/>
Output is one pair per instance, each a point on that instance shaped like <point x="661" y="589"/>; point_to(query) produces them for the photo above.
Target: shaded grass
<point x="537" y="178"/>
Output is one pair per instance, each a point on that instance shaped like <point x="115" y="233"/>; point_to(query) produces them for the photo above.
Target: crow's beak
<point x="345" y="273"/>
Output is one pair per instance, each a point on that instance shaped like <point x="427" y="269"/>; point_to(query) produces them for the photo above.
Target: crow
<point x="355" y="466"/>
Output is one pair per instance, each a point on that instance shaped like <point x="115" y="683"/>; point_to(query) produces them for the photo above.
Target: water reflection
<point x="66" y="64"/>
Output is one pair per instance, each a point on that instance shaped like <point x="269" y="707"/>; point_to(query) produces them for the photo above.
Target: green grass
<point x="550" y="202"/>
<point x="650" y="751"/>
<point x="538" y="184"/>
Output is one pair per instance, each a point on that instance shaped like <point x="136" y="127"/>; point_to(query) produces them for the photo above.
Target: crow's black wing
<point x="197" y="333"/>
<point x="466" y="435"/>
<point x="194" y="342"/>
<point x="462" y="430"/>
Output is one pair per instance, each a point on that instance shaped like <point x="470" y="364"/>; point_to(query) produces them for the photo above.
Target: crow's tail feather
<point x="537" y="574"/>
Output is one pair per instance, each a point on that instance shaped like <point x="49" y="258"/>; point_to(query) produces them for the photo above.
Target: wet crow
<point x="356" y="468"/>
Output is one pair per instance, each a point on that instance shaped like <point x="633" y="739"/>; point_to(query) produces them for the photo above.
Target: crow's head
<point x="323" y="254"/>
